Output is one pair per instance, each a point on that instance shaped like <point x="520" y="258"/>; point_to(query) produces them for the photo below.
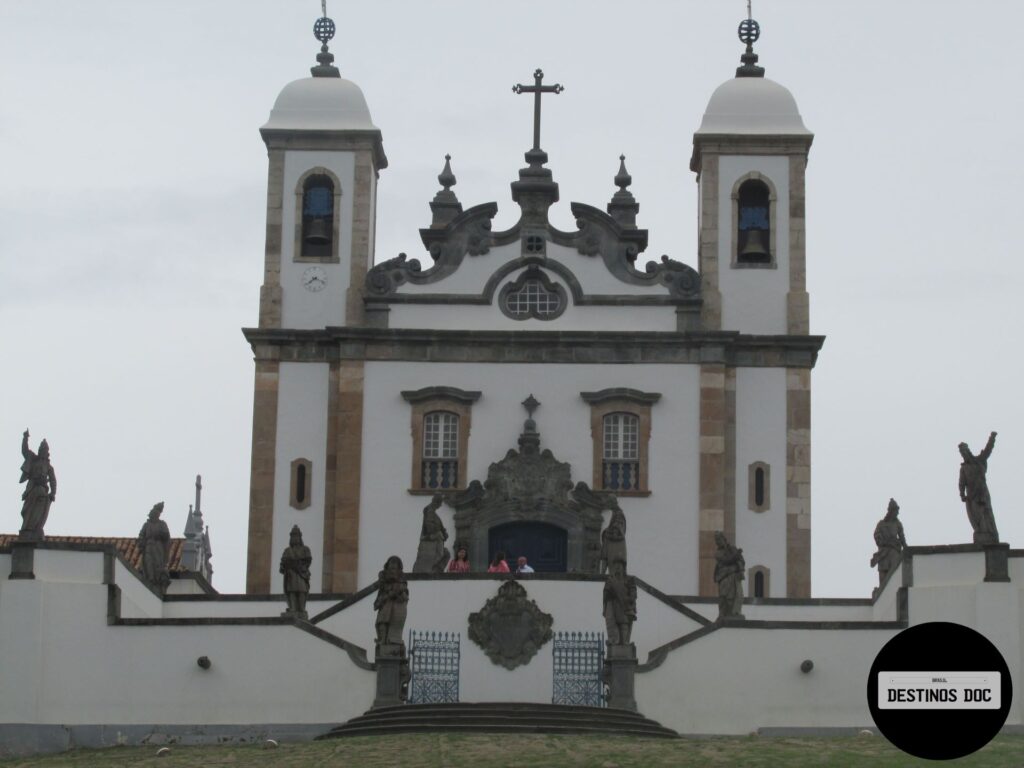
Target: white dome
<point x="321" y="103"/>
<point x="752" y="105"/>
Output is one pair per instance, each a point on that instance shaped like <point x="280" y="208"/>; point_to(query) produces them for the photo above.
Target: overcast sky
<point x="132" y="212"/>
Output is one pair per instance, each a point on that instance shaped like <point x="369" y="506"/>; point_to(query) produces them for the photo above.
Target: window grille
<point x="440" y="450"/>
<point x="533" y="298"/>
<point x="577" y="667"/>
<point x="434" y="667"/>
<point x="621" y="454"/>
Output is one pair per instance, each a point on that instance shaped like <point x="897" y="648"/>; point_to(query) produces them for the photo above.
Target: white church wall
<point x="70" y="667"/>
<point x="885" y="606"/>
<point x="736" y="680"/>
<point x="301" y="308"/>
<point x="753" y="299"/>
<point x="575" y="318"/>
<point x="1016" y="568"/>
<point x="789" y="610"/>
<point x="137" y="600"/>
<point x="662" y="527"/>
<point x="761" y="437"/>
<point x="590" y="272"/>
<point x="54" y="565"/>
<point x="301" y="433"/>
<point x="949" y="568"/>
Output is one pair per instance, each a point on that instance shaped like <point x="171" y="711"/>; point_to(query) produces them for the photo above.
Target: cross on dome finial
<point x="749" y="31"/>
<point x="323" y="30"/>
<point x="537" y="89"/>
<point x="530" y="404"/>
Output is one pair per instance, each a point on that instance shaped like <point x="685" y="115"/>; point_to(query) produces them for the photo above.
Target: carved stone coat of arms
<point x="510" y="628"/>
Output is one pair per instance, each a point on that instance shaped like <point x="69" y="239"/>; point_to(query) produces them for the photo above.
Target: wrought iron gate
<point x="578" y="659"/>
<point x="434" y="665"/>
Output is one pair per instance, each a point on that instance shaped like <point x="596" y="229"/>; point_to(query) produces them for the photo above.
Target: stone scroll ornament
<point x="510" y="628"/>
<point x="974" y="492"/>
<point x="40" y="491"/>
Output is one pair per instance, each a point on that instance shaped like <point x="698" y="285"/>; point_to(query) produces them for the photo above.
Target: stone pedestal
<point x="620" y="671"/>
<point x="392" y="675"/>
<point x="997" y="565"/>
<point x="22" y="559"/>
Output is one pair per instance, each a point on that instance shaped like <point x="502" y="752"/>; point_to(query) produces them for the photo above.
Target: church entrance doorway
<point x="544" y="545"/>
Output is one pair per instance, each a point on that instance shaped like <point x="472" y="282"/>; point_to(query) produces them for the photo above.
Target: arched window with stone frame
<point x="440" y="436"/>
<point x="754" y="225"/>
<point x="620" y="426"/>
<point x="317" y="216"/>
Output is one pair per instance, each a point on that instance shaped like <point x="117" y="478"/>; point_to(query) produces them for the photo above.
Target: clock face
<point x="314" y="279"/>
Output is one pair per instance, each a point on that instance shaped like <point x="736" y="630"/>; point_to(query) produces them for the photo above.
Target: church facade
<point x="682" y="391"/>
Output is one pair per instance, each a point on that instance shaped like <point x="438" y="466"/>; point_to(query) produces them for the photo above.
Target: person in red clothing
<point x="498" y="564"/>
<point x="460" y="563"/>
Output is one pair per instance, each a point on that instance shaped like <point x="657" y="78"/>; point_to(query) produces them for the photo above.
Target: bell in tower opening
<point x="317" y="216"/>
<point x="754" y="228"/>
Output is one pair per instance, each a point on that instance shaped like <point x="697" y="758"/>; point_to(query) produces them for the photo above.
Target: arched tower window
<point x="753" y="236"/>
<point x="317" y="216"/>
<point x="759" y="577"/>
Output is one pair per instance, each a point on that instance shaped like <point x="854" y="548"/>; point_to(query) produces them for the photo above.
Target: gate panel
<point x="578" y="659"/>
<point x="434" y="667"/>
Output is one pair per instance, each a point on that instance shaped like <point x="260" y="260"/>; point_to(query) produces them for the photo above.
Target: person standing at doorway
<point x="522" y="566"/>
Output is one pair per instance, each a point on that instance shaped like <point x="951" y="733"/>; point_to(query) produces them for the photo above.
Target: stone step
<point x="497" y="717"/>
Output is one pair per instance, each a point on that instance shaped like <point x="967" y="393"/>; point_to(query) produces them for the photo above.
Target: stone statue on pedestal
<point x="295" y="563"/>
<point x="154" y="543"/>
<point x="974" y="492"/>
<point x="40" y="491"/>
<point x="432" y="556"/>
<point x="729" y="568"/>
<point x="392" y="603"/>
<point x="619" y="604"/>
<point x="890" y="541"/>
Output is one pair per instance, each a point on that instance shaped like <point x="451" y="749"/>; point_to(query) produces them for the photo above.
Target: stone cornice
<point x="349" y="343"/>
<point x="285" y="138"/>
<point x="741" y="144"/>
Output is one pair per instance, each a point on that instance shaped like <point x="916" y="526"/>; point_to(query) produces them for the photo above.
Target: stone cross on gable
<point x="537" y="89"/>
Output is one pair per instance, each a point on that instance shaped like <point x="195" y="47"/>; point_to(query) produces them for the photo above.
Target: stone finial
<point x="323" y="30"/>
<point x="749" y="31"/>
<point x="445" y="205"/>
<point x="623" y="206"/>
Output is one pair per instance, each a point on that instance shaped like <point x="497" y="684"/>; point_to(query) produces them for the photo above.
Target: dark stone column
<point x="392" y="675"/>
<point x="23" y="558"/>
<point x="997" y="566"/>
<point x="620" y="672"/>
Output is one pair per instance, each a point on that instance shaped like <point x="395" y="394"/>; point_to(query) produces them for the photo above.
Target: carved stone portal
<point x="531" y="485"/>
<point x="510" y="628"/>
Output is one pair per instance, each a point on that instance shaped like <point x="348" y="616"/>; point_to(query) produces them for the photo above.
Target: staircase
<point x="499" y="718"/>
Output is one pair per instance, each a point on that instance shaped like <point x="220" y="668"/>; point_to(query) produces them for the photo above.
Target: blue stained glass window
<point x="753" y="218"/>
<point x="318" y="202"/>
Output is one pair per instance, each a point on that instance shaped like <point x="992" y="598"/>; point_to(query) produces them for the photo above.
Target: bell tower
<point x="325" y="155"/>
<point x="750" y="153"/>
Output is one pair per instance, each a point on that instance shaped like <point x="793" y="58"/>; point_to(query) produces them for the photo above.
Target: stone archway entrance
<point x="530" y="487"/>
<point x="545" y="546"/>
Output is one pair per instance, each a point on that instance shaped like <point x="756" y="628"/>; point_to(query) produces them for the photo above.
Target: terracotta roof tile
<point x="128" y="548"/>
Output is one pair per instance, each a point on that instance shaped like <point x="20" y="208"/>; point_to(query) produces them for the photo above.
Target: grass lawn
<point x="515" y="751"/>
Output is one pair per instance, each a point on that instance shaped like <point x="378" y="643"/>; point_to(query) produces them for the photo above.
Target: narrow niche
<point x="302" y="483"/>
